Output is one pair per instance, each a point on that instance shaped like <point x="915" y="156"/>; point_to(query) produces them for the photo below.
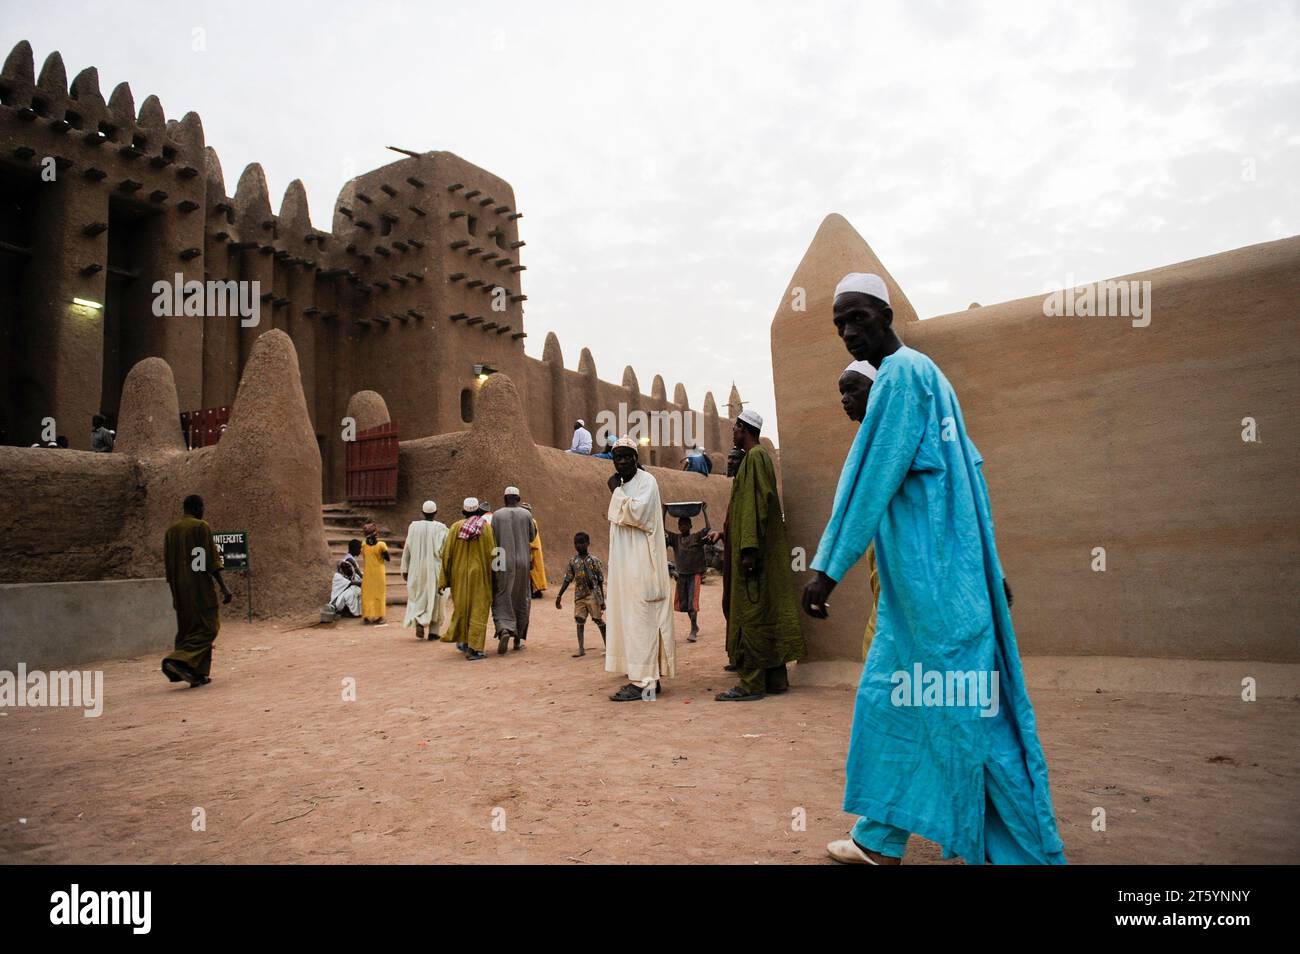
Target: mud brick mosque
<point x="414" y="290"/>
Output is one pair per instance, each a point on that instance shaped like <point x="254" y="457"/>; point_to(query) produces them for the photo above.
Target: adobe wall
<point x="568" y="493"/>
<point x="1096" y="434"/>
<point x="61" y="514"/>
<point x="76" y="516"/>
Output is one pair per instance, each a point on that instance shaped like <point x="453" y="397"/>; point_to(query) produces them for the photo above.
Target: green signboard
<point x="233" y="547"/>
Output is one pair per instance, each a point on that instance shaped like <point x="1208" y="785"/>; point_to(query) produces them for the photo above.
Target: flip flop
<point x="736" y="694"/>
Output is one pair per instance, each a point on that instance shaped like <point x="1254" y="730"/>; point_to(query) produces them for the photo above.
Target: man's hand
<point x="614" y="481"/>
<point x="1006" y="588"/>
<point x="815" y="595"/>
<point x="403" y="577"/>
<point x="225" y="596"/>
<point x="714" y="536"/>
<point x="749" y="562"/>
<point x="557" y="602"/>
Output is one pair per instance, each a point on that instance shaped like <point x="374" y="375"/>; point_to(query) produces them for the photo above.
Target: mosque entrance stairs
<point x="343" y="522"/>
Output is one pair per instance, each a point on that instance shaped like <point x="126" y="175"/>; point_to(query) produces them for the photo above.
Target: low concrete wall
<point x="48" y="625"/>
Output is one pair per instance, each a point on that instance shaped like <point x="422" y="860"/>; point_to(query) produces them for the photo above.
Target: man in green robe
<point x="763" y="632"/>
<point x="192" y="564"/>
<point x="467" y="569"/>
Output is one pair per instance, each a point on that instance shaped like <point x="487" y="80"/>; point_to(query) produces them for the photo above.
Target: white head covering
<point x="751" y="418"/>
<point x="626" y="441"/>
<point x="864" y="368"/>
<point x="864" y="282"/>
<point x="470" y="504"/>
<point x="512" y="491"/>
<point x="430" y="507"/>
<point x="581" y="422"/>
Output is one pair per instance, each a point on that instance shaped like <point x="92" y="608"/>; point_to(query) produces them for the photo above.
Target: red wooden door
<point x="203" y="428"/>
<point x="371" y="466"/>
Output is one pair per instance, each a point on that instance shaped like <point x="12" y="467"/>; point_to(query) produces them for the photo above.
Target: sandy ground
<point x="436" y="754"/>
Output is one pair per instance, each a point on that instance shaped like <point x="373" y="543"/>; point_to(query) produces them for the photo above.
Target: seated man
<point x="345" y="589"/>
<point x="581" y="439"/>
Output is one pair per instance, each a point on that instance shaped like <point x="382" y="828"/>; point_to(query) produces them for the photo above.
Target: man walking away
<point x="193" y="566"/>
<point x="421" y="567"/>
<point x="514" y="530"/>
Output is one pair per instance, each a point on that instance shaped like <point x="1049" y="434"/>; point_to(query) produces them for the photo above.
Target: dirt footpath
<point x="522" y="759"/>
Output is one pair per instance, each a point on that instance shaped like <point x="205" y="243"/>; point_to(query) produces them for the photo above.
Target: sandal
<point x="630" y="693"/>
<point x="737" y="694"/>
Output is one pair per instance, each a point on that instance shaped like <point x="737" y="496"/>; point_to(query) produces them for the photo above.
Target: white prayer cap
<point x="430" y="507"/>
<point x="470" y="504"/>
<point x="751" y="418"/>
<point x="512" y="491"/>
<point x="626" y="441"/>
<point x="864" y="368"/>
<point x="864" y="282"/>
<point x="582" y="422"/>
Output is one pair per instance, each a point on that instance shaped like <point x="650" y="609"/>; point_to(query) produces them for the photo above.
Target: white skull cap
<point x="864" y="282"/>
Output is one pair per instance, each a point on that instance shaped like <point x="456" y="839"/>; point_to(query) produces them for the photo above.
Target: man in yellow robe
<point x="374" y="576"/>
<point x="467" y="569"/>
<point x="537" y="573"/>
<point x="192" y="566"/>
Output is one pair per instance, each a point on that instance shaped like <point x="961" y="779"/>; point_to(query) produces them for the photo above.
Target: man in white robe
<point x="345" y="588"/>
<point x="639" y="608"/>
<point x="421" y="564"/>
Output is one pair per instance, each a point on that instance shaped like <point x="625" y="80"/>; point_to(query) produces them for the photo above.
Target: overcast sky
<point x="673" y="160"/>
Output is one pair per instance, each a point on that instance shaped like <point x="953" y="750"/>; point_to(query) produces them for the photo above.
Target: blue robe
<point x="913" y="482"/>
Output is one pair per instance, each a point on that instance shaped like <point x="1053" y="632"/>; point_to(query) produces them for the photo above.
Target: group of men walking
<point x="911" y="497"/>
<point x="485" y="563"/>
